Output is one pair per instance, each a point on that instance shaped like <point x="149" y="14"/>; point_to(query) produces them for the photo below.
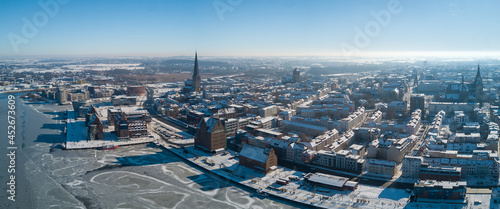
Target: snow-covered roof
<point x="254" y="153"/>
<point x="210" y="122"/>
<point x="330" y="180"/>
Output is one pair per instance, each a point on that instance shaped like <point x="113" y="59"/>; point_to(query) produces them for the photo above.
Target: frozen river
<point x="139" y="176"/>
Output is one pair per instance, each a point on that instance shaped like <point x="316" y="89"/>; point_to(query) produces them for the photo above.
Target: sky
<point x="248" y="27"/>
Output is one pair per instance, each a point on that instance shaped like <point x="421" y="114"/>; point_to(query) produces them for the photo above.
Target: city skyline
<point x="250" y="28"/>
<point x="250" y="103"/>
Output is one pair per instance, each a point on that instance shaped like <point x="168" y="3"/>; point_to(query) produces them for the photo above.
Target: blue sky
<point x="250" y="28"/>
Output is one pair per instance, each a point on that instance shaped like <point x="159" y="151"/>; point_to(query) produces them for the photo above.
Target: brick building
<point x="129" y="126"/>
<point x="95" y="128"/>
<point x="263" y="160"/>
<point x="210" y="134"/>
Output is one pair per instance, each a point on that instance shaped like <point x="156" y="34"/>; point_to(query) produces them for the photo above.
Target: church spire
<point x="478" y="78"/>
<point x="478" y="85"/>
<point x="478" y="71"/>
<point x="196" y="82"/>
<point x="196" y="70"/>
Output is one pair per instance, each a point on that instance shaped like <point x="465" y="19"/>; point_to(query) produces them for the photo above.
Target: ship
<point x="106" y="147"/>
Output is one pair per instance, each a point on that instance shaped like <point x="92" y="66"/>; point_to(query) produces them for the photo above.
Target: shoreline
<point x="305" y="198"/>
<point x="196" y="165"/>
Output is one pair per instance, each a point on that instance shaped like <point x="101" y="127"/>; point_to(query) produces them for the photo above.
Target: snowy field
<point x="79" y="68"/>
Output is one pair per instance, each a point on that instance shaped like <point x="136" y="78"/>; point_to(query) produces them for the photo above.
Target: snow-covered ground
<point x="104" y="67"/>
<point x="475" y="201"/>
<point x="364" y="197"/>
<point x="79" y="68"/>
<point x="144" y="176"/>
<point x="172" y="134"/>
<point x="76" y="135"/>
<point x="76" y="138"/>
<point x="140" y="176"/>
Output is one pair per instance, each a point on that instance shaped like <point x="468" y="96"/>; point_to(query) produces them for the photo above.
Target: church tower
<point x="463" y="91"/>
<point x="196" y="74"/>
<point x="478" y="85"/>
<point x="296" y="75"/>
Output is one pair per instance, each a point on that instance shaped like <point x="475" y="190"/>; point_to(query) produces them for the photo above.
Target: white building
<point x="346" y="124"/>
<point x="411" y="166"/>
<point x="435" y="107"/>
<point x="435" y="126"/>
<point x="268" y="111"/>
<point x="414" y="123"/>
<point x="376" y="117"/>
<point x="460" y="117"/>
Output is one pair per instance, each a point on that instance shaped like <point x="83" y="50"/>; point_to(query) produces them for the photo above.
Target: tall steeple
<point x="463" y="91"/>
<point x="478" y="80"/>
<point x="196" y="74"/>
<point x="478" y="75"/>
<point x="478" y="85"/>
<point x="196" y="69"/>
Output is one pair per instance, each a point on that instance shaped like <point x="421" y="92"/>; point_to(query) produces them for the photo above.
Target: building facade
<point x="440" y="190"/>
<point x="382" y="167"/>
<point x="417" y="101"/>
<point x="257" y="158"/>
<point x="411" y="166"/>
<point x="440" y="173"/>
<point x="210" y="134"/>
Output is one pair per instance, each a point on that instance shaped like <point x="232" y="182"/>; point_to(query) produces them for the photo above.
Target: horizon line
<point x="379" y="54"/>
